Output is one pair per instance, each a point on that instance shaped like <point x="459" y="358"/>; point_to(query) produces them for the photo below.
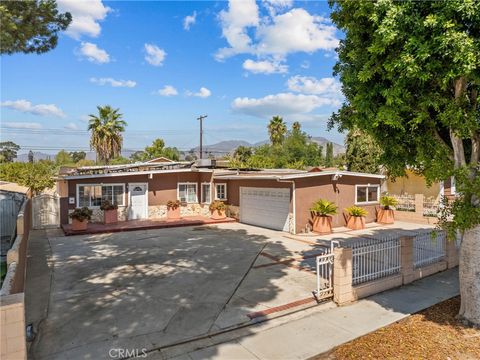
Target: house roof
<point x="13" y="187"/>
<point x="161" y="159"/>
<point x="290" y="174"/>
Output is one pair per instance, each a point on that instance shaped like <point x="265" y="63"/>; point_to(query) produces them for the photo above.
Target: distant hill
<point x="229" y="146"/>
<point x="38" y="155"/>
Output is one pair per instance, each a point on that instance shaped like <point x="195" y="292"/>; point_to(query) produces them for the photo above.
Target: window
<point x="93" y="195"/>
<point x="365" y="194"/>
<point x="206" y="193"/>
<point x="221" y="191"/>
<point x="187" y="192"/>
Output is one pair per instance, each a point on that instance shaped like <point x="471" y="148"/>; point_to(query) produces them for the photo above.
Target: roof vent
<point x="205" y="163"/>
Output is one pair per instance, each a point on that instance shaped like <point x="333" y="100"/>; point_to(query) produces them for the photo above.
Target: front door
<point x="138" y="208"/>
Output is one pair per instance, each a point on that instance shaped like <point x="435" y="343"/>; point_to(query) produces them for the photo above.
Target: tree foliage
<point x="106" y="132"/>
<point x="77" y="156"/>
<point x="329" y="160"/>
<point x="63" y="158"/>
<point x="8" y="151"/>
<point x="277" y="130"/>
<point x="36" y="176"/>
<point x="410" y="72"/>
<point x="156" y="150"/>
<point x="31" y="26"/>
<point x="363" y="153"/>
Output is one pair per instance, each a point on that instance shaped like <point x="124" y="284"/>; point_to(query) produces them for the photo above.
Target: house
<point x="272" y="198"/>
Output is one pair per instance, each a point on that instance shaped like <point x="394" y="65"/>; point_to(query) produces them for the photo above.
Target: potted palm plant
<point x="217" y="209"/>
<point x="110" y="212"/>
<point x="385" y="214"/>
<point x="321" y="212"/>
<point x="173" y="209"/>
<point x="356" y="217"/>
<point x="80" y="218"/>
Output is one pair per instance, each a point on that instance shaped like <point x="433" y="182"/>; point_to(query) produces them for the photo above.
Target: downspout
<point x="294" y="210"/>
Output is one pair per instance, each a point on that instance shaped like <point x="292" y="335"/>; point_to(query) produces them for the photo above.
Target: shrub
<point x="107" y="205"/>
<point x="81" y="214"/>
<point x="323" y="207"/>
<point x="217" y="205"/>
<point x="356" y="211"/>
<point x="387" y="201"/>
<point x="173" y="204"/>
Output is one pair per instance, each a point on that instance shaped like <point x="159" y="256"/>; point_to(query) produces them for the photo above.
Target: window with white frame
<point x="366" y="194"/>
<point x="92" y="195"/>
<point x="206" y="193"/>
<point x="221" y="191"/>
<point x="187" y="192"/>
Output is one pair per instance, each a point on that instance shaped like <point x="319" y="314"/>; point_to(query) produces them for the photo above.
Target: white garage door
<point x="266" y="207"/>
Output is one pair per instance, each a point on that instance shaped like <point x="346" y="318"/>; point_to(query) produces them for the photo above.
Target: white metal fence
<point x="428" y="248"/>
<point x="324" y="266"/>
<point x="375" y="258"/>
<point x="405" y="202"/>
<point x="46" y="211"/>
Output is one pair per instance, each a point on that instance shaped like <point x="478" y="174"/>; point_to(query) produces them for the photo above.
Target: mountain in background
<point x="229" y="146"/>
<point x="90" y="155"/>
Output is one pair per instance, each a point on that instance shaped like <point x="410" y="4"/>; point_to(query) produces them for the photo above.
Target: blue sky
<point x="165" y="63"/>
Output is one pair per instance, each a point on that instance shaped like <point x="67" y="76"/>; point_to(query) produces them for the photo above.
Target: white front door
<point x="138" y="202"/>
<point x="265" y="207"/>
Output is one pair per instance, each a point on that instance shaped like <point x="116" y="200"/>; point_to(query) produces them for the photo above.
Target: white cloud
<point x="167" y="90"/>
<point x="311" y="85"/>
<point x="86" y="16"/>
<point x="273" y="6"/>
<point x="275" y="35"/>
<point x="26" y="106"/>
<point x="93" y="53"/>
<point x="155" y="55"/>
<point x="235" y="21"/>
<point x="71" y="126"/>
<point x="265" y="67"/>
<point x="21" y="125"/>
<point x="113" y="82"/>
<point x="203" y="93"/>
<point x="189" y="20"/>
<point x="281" y="104"/>
<point x="84" y="118"/>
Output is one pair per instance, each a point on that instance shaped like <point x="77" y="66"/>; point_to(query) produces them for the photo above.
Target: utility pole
<point x="200" y="118"/>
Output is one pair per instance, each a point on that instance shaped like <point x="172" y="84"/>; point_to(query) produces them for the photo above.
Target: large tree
<point x="106" y="132"/>
<point x="36" y="176"/>
<point x="8" y="151"/>
<point x="410" y="73"/>
<point x="362" y="152"/>
<point x="158" y="149"/>
<point x="30" y="26"/>
<point x="277" y="130"/>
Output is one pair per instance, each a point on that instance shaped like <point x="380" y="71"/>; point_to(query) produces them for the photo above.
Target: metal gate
<point x="46" y="211"/>
<point x="324" y="264"/>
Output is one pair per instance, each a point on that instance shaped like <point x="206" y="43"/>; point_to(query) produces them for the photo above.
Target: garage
<point x="265" y="207"/>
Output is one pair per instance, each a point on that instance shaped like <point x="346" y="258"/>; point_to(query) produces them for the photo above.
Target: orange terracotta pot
<point x="218" y="215"/>
<point x="173" y="213"/>
<point x="78" y="225"/>
<point x="356" y="222"/>
<point x="322" y="224"/>
<point x="385" y="216"/>
<point x="110" y="216"/>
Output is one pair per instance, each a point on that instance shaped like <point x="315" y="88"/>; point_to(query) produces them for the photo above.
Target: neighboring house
<point x="273" y="198"/>
<point x="160" y="159"/>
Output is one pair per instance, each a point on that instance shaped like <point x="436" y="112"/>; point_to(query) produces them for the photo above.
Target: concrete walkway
<point x="316" y="332"/>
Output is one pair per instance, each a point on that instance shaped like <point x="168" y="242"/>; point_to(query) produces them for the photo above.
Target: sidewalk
<point x="317" y="332"/>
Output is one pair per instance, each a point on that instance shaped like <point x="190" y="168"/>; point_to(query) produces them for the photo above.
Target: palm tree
<point x="277" y="130"/>
<point x="106" y="132"/>
<point x="296" y="126"/>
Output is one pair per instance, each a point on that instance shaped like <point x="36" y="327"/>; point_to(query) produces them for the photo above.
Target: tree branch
<point x="460" y="86"/>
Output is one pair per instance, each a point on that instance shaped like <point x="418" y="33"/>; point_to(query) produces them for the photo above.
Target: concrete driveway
<point x="156" y="288"/>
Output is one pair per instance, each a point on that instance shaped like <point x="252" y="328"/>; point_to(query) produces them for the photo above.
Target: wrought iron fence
<point x="428" y="248"/>
<point x="405" y="202"/>
<point x="375" y="258"/>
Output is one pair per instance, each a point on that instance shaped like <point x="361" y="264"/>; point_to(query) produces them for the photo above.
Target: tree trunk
<point x="469" y="273"/>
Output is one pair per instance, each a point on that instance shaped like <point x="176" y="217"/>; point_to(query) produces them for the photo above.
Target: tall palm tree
<point x="106" y="132"/>
<point x="277" y="130"/>
<point x="296" y="126"/>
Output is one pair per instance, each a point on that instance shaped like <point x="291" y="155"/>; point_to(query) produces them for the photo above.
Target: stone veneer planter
<point x="78" y="225"/>
<point x="356" y="222"/>
<point x="110" y="216"/>
<point x="385" y="216"/>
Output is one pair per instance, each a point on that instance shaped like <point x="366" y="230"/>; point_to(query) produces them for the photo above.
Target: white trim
<point x="130" y="186"/>
<point x="341" y="172"/>
<point x="135" y="173"/>
<point x="216" y="194"/>
<point x="188" y="183"/>
<point x="77" y="197"/>
<point x="201" y="193"/>
<point x="367" y="186"/>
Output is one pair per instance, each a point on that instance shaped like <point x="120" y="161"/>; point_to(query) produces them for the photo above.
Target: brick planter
<point x="78" y="225"/>
<point x="322" y="224"/>
<point x="173" y="213"/>
<point x="356" y="222"/>
<point x="110" y="216"/>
